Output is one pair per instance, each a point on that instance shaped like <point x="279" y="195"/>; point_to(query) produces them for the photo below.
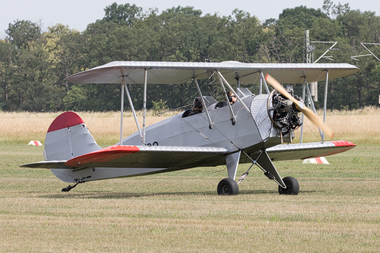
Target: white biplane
<point x="222" y="133"/>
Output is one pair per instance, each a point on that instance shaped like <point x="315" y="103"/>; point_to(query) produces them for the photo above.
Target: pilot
<point x="197" y="105"/>
<point x="231" y="97"/>
<point x="197" y="108"/>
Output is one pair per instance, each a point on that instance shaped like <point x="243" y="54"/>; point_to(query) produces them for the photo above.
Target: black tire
<point x="228" y="186"/>
<point x="292" y="185"/>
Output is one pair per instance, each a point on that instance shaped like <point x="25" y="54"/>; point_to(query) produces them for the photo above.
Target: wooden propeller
<point x="300" y="105"/>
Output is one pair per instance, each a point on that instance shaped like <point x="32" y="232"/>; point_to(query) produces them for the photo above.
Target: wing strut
<point x="306" y="88"/>
<point x="262" y="78"/>
<point x="312" y="104"/>
<point x="229" y="86"/>
<point x="325" y="102"/>
<point x="124" y="86"/>
<point x="122" y="110"/>
<point x="261" y="83"/>
<point x="232" y="115"/>
<point x="133" y="110"/>
<point x="144" y="103"/>
<point x="303" y="115"/>
<point x="211" y="125"/>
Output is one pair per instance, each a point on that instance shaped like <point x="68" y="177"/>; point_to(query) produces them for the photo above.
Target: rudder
<point x="68" y="137"/>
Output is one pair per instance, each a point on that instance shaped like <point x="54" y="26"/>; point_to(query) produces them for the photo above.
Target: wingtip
<point x="344" y="144"/>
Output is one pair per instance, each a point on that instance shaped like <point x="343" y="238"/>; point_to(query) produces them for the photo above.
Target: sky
<point x="77" y="14"/>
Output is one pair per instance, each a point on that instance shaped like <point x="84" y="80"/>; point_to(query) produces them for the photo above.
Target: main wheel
<point x="292" y="186"/>
<point x="228" y="186"/>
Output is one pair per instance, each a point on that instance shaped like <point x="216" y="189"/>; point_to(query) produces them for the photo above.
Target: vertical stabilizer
<point x="68" y="137"/>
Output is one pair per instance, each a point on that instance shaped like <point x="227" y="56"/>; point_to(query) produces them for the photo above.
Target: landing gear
<point x="79" y="181"/>
<point x="228" y="186"/>
<point x="292" y="186"/>
<point x="286" y="185"/>
<point x="68" y="188"/>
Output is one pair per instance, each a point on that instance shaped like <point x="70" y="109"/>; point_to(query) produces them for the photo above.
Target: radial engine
<point x="284" y="113"/>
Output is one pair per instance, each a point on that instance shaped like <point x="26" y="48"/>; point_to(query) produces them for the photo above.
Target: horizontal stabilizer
<point x="308" y="150"/>
<point x="47" y="165"/>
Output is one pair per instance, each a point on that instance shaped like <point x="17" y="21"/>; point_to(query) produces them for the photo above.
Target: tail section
<point x="68" y="137"/>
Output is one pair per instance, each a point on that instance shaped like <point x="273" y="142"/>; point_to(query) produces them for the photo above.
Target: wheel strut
<point x="263" y="161"/>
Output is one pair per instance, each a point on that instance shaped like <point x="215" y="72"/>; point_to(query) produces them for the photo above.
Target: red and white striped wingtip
<point x="317" y="160"/>
<point x="35" y="143"/>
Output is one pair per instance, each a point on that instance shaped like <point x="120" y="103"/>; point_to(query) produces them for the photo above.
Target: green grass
<point x="337" y="209"/>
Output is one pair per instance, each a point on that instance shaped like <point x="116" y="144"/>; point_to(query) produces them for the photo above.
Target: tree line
<point x="34" y="63"/>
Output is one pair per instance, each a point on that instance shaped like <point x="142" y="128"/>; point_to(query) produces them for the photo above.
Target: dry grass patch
<point x="190" y="222"/>
<point x="21" y="127"/>
<point x="358" y="126"/>
<point x="360" y="129"/>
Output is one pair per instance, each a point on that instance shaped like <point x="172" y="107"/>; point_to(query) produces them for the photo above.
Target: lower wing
<point x="308" y="150"/>
<point x="141" y="157"/>
<point x="180" y="157"/>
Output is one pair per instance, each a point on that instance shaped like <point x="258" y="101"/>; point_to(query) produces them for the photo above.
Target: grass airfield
<point x="337" y="209"/>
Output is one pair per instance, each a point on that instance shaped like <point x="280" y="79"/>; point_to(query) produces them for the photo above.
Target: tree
<point x="34" y="65"/>
<point x="5" y="80"/>
<point x="22" y="33"/>
<point x="28" y="79"/>
<point x="332" y="10"/>
<point x="64" y="47"/>
<point x="123" y="14"/>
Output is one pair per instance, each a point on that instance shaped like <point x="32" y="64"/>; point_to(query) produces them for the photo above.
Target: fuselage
<point x="252" y="129"/>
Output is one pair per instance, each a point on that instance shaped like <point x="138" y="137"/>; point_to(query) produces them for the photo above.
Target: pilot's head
<point x="290" y="90"/>
<point x="197" y="104"/>
<point x="231" y="97"/>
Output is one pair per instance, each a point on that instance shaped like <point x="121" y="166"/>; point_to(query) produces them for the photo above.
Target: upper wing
<point x="142" y="157"/>
<point x="181" y="72"/>
<point x="308" y="150"/>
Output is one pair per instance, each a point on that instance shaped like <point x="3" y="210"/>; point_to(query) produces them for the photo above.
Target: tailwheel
<point x="292" y="186"/>
<point x="228" y="186"/>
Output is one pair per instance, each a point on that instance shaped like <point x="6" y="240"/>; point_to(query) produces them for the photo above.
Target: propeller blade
<point x="317" y="121"/>
<point x="300" y="105"/>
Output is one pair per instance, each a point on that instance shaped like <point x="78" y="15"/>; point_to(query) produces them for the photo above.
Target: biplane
<point x="250" y="130"/>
